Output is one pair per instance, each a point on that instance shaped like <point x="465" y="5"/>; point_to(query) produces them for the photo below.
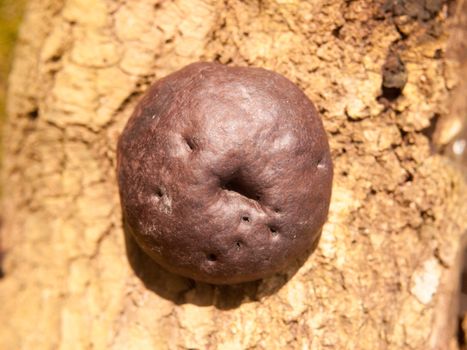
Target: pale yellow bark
<point x="384" y="274"/>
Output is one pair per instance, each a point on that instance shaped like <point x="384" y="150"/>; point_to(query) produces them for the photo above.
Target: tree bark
<point x="385" y="273"/>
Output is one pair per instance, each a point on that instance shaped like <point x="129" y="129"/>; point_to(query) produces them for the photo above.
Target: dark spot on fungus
<point x="321" y="163"/>
<point x="237" y="184"/>
<point x="190" y="143"/>
<point x="212" y="257"/>
<point x="273" y="231"/>
<point x="158" y="192"/>
<point x="254" y="125"/>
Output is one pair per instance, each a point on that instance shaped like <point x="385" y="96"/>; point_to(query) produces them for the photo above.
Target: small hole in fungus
<point x="236" y="183"/>
<point x="159" y="192"/>
<point x="321" y="163"/>
<point x="212" y="257"/>
<point x="273" y="231"/>
<point x="238" y="244"/>
<point x="190" y="143"/>
<point x="246" y="218"/>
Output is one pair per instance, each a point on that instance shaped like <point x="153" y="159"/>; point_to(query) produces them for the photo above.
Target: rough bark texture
<point x="384" y="275"/>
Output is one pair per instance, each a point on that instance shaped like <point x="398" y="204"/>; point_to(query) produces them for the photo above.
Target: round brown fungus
<point x="225" y="173"/>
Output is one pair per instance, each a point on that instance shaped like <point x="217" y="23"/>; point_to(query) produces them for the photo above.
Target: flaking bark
<point x="384" y="275"/>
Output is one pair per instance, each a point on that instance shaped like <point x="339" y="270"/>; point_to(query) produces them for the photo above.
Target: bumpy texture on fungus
<point x="225" y="173"/>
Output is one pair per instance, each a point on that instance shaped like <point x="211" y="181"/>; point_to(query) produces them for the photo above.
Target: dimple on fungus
<point x="225" y="173"/>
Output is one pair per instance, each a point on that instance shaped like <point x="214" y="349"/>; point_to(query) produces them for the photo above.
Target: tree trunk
<point x="385" y="273"/>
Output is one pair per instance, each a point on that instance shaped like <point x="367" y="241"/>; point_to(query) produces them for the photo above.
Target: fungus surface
<point x="224" y="173"/>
